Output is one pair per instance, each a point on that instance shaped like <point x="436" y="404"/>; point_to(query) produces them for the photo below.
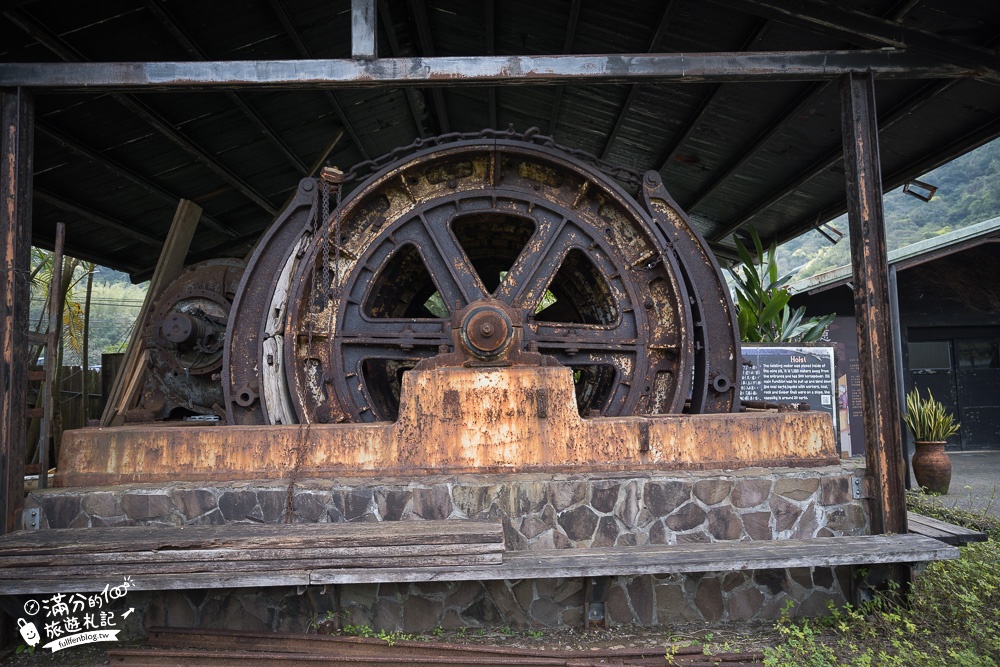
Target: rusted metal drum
<point x="514" y="234"/>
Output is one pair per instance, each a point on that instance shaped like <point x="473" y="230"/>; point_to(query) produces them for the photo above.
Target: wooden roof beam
<point x="661" y="28"/>
<point x="832" y="157"/>
<point x="571" y="25"/>
<point x="707" y="101"/>
<point x="411" y="94"/>
<point x="764" y="136"/>
<point x="895" y="13"/>
<point x="929" y="162"/>
<point x="69" y="143"/>
<point x="97" y="218"/>
<point x="423" y="26"/>
<point x="830" y="18"/>
<point x="170" y="23"/>
<point x="300" y="46"/>
<point x="72" y="57"/>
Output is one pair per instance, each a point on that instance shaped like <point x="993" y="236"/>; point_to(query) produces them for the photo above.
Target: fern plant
<point x="927" y="419"/>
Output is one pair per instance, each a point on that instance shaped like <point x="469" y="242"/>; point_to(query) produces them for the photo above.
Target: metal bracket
<point x="861" y="488"/>
<point x="31" y="519"/>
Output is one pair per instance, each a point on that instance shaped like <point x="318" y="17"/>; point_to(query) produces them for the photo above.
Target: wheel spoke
<point x="359" y="328"/>
<point x="445" y="260"/>
<point x="535" y="267"/>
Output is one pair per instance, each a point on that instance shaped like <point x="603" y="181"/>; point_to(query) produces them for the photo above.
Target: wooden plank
<point x="248" y="536"/>
<point x="721" y="557"/>
<point x="112" y="571"/>
<point x="165" y="582"/>
<point x="557" y="563"/>
<point x="195" y="555"/>
<point x="50" y="390"/>
<point x="170" y="263"/>
<point x="16" y="157"/>
<point x="942" y="530"/>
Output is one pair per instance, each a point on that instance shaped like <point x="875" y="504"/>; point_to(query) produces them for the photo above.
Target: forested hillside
<point x="968" y="193"/>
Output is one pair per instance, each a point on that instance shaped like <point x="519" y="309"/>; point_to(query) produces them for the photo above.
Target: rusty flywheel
<point x="505" y="235"/>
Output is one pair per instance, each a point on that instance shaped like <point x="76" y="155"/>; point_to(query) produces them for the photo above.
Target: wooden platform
<point x="948" y="533"/>
<point x="235" y="556"/>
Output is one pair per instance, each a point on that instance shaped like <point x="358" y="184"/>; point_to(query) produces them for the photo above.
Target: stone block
<point x="796" y="488"/>
<point x="672" y="607"/>
<point x="616" y="609"/>
<point x="192" y="503"/>
<point x="604" y="495"/>
<point x="745" y="604"/>
<point x="724" y="523"/>
<point x="474" y="501"/>
<point x="808" y="523"/>
<point x="273" y="504"/>
<point x="697" y="537"/>
<point x="392" y="503"/>
<point x="686" y="517"/>
<point x="309" y="506"/>
<point x="758" y="525"/>
<point x="662" y="498"/>
<point x="212" y="518"/>
<point x="533" y="526"/>
<point x="712" y="491"/>
<point x="846" y="519"/>
<point x="626" y="540"/>
<point x="545" y="612"/>
<point x="101" y="503"/>
<point x="387" y="614"/>
<point x="628" y="510"/>
<point x="823" y="577"/>
<point x="709" y="599"/>
<point x="524" y="593"/>
<point x="836" y="490"/>
<point x="237" y="505"/>
<point x="433" y="503"/>
<point x="657" y="533"/>
<point x="750" y="492"/>
<point x="564" y="494"/>
<point x="354" y="503"/>
<point x="785" y="513"/>
<point x="607" y="532"/>
<point x="146" y="506"/>
<point x="773" y="580"/>
<point x="733" y="580"/>
<point x="578" y="523"/>
<point x="640" y="593"/>
<point x="60" y="510"/>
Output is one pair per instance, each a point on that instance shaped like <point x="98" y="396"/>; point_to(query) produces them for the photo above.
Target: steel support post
<point x="15" y="252"/>
<point x="880" y="405"/>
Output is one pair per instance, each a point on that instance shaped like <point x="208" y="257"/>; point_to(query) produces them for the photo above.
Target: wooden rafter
<point x="74" y="145"/>
<point x="338" y="109"/>
<point x="832" y="18"/>
<point x="426" y="44"/>
<point x="173" y="26"/>
<point x="59" y="47"/>
<point x="571" y="25"/>
<point x="412" y="101"/>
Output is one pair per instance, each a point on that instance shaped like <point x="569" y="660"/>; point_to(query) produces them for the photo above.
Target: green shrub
<point x="951" y="618"/>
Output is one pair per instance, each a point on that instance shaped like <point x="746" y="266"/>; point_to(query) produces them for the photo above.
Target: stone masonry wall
<point x="538" y="511"/>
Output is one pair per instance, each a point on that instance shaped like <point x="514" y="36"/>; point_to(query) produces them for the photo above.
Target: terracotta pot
<point x="932" y="466"/>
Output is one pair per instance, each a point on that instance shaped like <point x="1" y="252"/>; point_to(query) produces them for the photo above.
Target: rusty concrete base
<point x="452" y="420"/>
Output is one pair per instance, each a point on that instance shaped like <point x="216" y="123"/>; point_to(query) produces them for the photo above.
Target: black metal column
<point x="880" y="405"/>
<point x="16" y="111"/>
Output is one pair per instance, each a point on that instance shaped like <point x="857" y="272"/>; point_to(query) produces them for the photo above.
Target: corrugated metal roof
<point x="910" y="255"/>
<point x="765" y="155"/>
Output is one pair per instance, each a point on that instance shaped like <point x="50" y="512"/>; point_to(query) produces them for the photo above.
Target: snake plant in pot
<point x="930" y="424"/>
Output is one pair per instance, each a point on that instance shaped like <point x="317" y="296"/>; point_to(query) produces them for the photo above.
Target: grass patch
<point x="952" y="617"/>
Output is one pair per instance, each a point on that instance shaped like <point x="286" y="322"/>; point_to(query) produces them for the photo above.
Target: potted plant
<point x="930" y="424"/>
